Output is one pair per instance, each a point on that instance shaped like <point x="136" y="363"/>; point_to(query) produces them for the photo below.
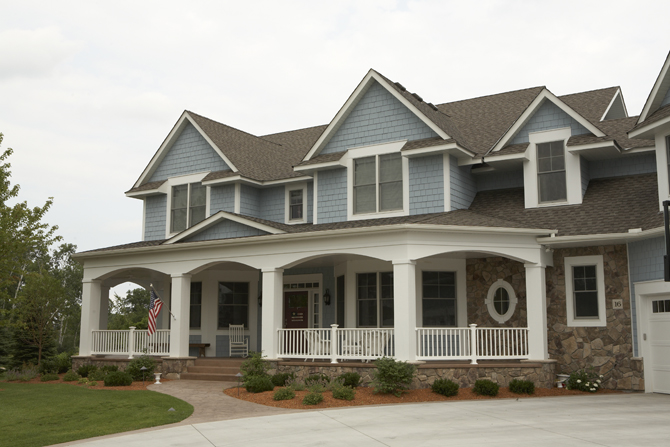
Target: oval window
<point x="501" y="301"/>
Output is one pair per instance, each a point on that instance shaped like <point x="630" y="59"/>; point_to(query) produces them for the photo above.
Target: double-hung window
<point x="374" y="294"/>
<point x="233" y="304"/>
<point x="378" y="183"/>
<point x="585" y="291"/>
<point x="188" y="206"/>
<point x="439" y="298"/>
<point x="296" y="204"/>
<point x="551" y="178"/>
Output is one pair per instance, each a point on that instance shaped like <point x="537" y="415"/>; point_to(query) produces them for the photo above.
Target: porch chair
<point x="315" y="344"/>
<point x="375" y="344"/>
<point x="238" y="344"/>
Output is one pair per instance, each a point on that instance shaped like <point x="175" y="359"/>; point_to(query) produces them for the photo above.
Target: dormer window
<point x="378" y="184"/>
<point x="296" y="204"/>
<point x="551" y="179"/>
<point x="189" y="204"/>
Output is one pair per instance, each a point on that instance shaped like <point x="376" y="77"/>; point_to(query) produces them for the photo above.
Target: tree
<point x="131" y="310"/>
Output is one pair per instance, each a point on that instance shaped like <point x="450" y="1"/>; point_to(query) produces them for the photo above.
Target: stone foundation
<point x="169" y="367"/>
<point x="542" y="374"/>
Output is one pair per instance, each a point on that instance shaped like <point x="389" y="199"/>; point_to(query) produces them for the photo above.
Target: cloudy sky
<point x="89" y="90"/>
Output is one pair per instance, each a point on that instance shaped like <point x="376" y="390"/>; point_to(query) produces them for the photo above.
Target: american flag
<point x="154" y="309"/>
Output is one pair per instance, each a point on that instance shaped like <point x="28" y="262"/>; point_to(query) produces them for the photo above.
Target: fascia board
<point x="215" y="218"/>
<point x="319" y="166"/>
<point x="214" y="146"/>
<point x="532" y="108"/>
<point x="653" y="95"/>
<point x="648" y="130"/>
<point x="639" y="150"/>
<point x="586" y="147"/>
<point x="493" y="158"/>
<point x="143" y="194"/>
<point x="451" y="148"/>
<point x="242" y="179"/>
<point x="587" y="239"/>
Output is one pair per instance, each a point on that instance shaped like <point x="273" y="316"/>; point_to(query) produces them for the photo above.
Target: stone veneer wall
<point x="481" y="274"/>
<point x="541" y="373"/>
<point x="171" y="368"/>
<point x="609" y="349"/>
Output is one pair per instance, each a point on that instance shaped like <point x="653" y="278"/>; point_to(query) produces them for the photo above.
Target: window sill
<point x="588" y="322"/>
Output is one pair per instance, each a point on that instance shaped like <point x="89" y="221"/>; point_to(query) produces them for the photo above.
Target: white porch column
<point x="404" y="309"/>
<point x="90" y="314"/>
<point x="272" y="310"/>
<point x="536" y="308"/>
<point x="181" y="302"/>
<point x="104" y="307"/>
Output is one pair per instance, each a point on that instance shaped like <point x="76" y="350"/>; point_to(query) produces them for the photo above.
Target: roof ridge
<point x="590" y="91"/>
<point x="232" y="128"/>
<point x="493" y="94"/>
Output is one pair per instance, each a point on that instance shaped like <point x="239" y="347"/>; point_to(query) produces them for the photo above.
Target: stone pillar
<point x="404" y="309"/>
<point x="181" y="306"/>
<point x="104" y="307"/>
<point x="90" y="314"/>
<point x="536" y="307"/>
<point x="272" y="310"/>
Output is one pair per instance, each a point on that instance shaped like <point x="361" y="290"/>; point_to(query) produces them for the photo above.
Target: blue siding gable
<point x="666" y="99"/>
<point x="377" y="118"/>
<point x="221" y="198"/>
<point x="463" y="187"/>
<point x="626" y="165"/>
<point x="426" y="185"/>
<point x="225" y="229"/>
<point x="155" y="217"/>
<point x="548" y="116"/>
<point x="487" y="181"/>
<point x="250" y="198"/>
<point x="272" y="203"/>
<point x="332" y="196"/>
<point x="189" y="154"/>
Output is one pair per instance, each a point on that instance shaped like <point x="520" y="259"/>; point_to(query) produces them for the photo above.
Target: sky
<point x="89" y="90"/>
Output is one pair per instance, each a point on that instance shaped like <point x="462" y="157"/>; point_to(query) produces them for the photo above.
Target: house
<point x="511" y="235"/>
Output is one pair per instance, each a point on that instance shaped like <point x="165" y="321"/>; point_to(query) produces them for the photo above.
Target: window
<point x="189" y="203"/>
<point x="378" y="183"/>
<point x="374" y="293"/>
<point x="196" y="305"/>
<point x="551" y="172"/>
<point x="233" y="304"/>
<point x="438" y="298"/>
<point x="295" y="204"/>
<point x="501" y="301"/>
<point x="585" y="291"/>
<point x="660" y="306"/>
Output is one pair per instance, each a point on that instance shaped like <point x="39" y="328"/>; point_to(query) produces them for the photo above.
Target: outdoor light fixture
<point x="239" y="376"/>
<point x="326" y="298"/>
<point x="143" y="369"/>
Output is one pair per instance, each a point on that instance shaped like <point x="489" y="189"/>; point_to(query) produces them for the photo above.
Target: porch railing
<point x="130" y="342"/>
<point x="472" y="343"/>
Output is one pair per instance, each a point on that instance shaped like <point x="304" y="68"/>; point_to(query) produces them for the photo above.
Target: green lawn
<point x="45" y="414"/>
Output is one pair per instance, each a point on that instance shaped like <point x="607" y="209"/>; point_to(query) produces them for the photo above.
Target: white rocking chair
<point x="238" y="344"/>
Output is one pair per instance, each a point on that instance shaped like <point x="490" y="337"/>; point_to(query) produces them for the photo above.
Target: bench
<point x="201" y="347"/>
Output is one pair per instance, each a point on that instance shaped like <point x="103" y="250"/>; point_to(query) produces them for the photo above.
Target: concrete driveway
<point x="575" y="421"/>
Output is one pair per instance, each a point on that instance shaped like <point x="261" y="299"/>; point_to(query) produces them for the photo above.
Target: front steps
<point x="219" y="369"/>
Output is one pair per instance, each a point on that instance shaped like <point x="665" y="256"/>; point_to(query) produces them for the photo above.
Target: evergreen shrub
<point x="350" y="379"/>
<point x="485" y="387"/>
<point x="284" y="394"/>
<point x="118" y="378"/>
<point x="312" y="399"/>
<point x="259" y="384"/>
<point x="522" y="386"/>
<point x="391" y="376"/>
<point x="445" y="387"/>
<point x="135" y="365"/>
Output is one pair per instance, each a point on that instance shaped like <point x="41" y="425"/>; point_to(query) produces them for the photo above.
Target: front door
<point x="296" y="309"/>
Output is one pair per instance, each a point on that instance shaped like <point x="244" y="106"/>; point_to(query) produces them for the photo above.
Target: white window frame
<point x="513" y="300"/>
<point x="378" y="299"/>
<point x="177" y="181"/>
<point x="573" y="171"/>
<point x="444" y="265"/>
<point x="317" y="277"/>
<point x="376" y="150"/>
<point x="574" y="261"/>
<point x="287" y="201"/>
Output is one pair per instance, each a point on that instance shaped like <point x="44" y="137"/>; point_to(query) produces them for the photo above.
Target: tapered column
<point x="272" y="311"/>
<point x="104" y="307"/>
<point x="90" y="314"/>
<point x="536" y="308"/>
<point x="404" y="309"/>
<point x="181" y="307"/>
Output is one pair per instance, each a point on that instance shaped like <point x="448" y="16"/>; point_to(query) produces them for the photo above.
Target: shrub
<point x="284" y="394"/>
<point x="313" y="399"/>
<point x="522" y="386"/>
<point x="49" y="377"/>
<point x="445" y="387"/>
<point x="94" y="383"/>
<point x="83" y="381"/>
<point x="392" y="376"/>
<point x="85" y="370"/>
<point x="28" y="372"/>
<point x="295" y="384"/>
<point x="584" y="380"/>
<point x="110" y="368"/>
<point x="70" y="376"/>
<point x="118" y="378"/>
<point x="48" y="367"/>
<point x="98" y="374"/>
<point x="259" y="384"/>
<point x="350" y="379"/>
<point x="135" y="365"/>
<point x="485" y="387"/>
<point x="63" y="362"/>
<point x="280" y="379"/>
<point x="254" y="366"/>
<point x="343" y="393"/>
<point x="316" y="378"/>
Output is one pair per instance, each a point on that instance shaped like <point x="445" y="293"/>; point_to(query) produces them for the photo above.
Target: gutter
<point x="632" y="235"/>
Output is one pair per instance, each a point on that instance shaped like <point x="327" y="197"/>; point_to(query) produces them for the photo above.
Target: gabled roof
<point x="593" y="104"/>
<point x="657" y="92"/>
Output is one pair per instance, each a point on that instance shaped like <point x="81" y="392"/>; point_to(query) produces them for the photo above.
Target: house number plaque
<point x="617" y="304"/>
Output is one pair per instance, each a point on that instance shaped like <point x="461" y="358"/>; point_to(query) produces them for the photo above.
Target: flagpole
<point x="164" y="303"/>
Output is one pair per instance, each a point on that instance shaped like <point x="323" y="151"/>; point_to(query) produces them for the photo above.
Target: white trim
<point x="530" y="111"/>
<point x="176" y="181"/>
<point x="602" y="145"/>
<point x="208" y="195"/>
<point x="646" y="130"/>
<point x="319" y="166"/>
<point x="215" y="218"/>
<point x="446" y="175"/>
<point x="654" y="100"/>
<point x="601" y="320"/>
<point x="457" y="266"/>
<point x="238" y="195"/>
<point x="315" y="198"/>
<point x="170" y="140"/>
<point x="351" y="103"/>
<point x="645" y="291"/>
<point x="242" y="179"/>
<point x="590" y="239"/>
<point x="617" y="94"/>
<point x="287" y="203"/>
<point x="369" y="151"/>
<point x="513" y="300"/>
<point x="144" y="218"/>
<point x="662" y="167"/>
<point x="452" y="148"/>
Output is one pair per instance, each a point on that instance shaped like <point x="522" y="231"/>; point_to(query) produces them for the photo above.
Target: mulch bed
<point x="100" y="384"/>
<point x="365" y="396"/>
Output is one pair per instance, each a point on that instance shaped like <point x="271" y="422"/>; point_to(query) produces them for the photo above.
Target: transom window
<point x="233" y="304"/>
<point x="660" y="306"/>
<point x="378" y="183"/>
<point x="374" y="293"/>
<point x="295" y="206"/>
<point x="189" y="203"/>
<point x="585" y="291"/>
<point x="439" y="299"/>
<point x="551" y="178"/>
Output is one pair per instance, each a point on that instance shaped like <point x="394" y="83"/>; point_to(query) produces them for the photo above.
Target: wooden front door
<point x="296" y="309"/>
